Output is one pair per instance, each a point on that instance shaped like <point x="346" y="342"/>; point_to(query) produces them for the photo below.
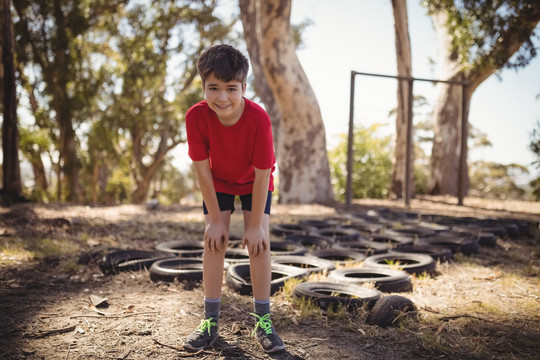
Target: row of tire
<point x="381" y="241"/>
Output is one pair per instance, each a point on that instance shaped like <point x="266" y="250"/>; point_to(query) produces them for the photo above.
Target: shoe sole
<point x="189" y="347"/>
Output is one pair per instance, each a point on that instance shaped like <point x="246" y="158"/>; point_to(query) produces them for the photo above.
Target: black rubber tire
<point x="326" y="294"/>
<point x="95" y="254"/>
<point x="414" y="232"/>
<point x="385" y="280"/>
<point x="391" y="240"/>
<point x="129" y="260"/>
<point x="182" y="248"/>
<point x="169" y="270"/>
<point x="238" y="277"/>
<point x="342" y="257"/>
<point x="307" y="263"/>
<point x="438" y="253"/>
<point x="311" y="242"/>
<point x="363" y="246"/>
<point x="287" y="248"/>
<point x="411" y="263"/>
<point x="463" y="244"/>
<point x="388" y="309"/>
<point x="338" y="234"/>
<point x="317" y="224"/>
<point x="290" y="229"/>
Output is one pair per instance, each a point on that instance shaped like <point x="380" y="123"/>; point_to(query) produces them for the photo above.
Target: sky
<point x="358" y="35"/>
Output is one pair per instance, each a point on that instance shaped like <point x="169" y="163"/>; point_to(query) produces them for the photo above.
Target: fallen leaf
<point x="98" y="300"/>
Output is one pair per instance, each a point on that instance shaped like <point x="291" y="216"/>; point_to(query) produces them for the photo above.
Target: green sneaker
<point x="205" y="335"/>
<point x="266" y="334"/>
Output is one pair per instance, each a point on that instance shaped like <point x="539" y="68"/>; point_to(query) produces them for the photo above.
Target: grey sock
<point x="262" y="307"/>
<point x="211" y="308"/>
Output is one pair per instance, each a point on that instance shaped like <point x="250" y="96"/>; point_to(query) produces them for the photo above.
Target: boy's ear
<point x="244" y="87"/>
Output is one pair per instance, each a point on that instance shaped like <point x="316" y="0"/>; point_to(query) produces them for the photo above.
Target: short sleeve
<point x="197" y="145"/>
<point x="263" y="155"/>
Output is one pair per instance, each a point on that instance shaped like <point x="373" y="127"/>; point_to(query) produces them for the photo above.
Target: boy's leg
<point x="261" y="276"/>
<point x="207" y="331"/>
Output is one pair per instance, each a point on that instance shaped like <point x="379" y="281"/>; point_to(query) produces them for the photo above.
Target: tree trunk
<point x="304" y="173"/>
<point x="447" y="141"/>
<point x="10" y="136"/>
<point x="404" y="69"/>
<point x="62" y="107"/>
<point x="250" y="14"/>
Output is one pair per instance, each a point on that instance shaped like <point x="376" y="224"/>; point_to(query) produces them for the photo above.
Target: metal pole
<point x="463" y="149"/>
<point x="408" y="149"/>
<point x="350" y="155"/>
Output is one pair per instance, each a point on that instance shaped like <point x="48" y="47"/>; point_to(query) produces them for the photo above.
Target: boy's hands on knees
<point x="215" y="236"/>
<point x="256" y="241"/>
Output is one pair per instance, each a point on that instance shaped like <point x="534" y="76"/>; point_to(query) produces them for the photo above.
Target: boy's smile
<point x="226" y="99"/>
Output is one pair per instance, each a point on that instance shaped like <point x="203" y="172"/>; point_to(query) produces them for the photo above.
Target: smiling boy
<point x="231" y="146"/>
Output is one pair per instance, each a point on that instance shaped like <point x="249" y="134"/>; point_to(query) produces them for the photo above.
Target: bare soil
<point x="484" y="306"/>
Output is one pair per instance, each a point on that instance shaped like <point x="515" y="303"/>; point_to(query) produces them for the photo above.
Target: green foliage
<point x="534" y="146"/>
<point x="496" y="181"/>
<point x="482" y="30"/>
<point x="372" y="165"/>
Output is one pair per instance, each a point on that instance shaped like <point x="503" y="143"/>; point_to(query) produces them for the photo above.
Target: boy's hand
<point x="215" y="235"/>
<point x="256" y="241"/>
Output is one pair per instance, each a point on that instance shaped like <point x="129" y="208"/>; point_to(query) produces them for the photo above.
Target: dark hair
<point x="226" y="62"/>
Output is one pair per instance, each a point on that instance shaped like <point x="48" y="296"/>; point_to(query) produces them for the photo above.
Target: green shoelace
<point x="206" y="324"/>
<point x="264" y="323"/>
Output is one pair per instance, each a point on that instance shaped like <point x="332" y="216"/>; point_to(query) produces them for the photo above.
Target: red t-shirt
<point x="233" y="150"/>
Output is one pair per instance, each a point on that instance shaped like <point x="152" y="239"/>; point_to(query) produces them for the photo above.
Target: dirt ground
<point x="484" y="306"/>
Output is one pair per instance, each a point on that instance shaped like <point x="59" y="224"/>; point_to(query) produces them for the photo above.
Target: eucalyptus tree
<point x="11" y="173"/>
<point x="477" y="38"/>
<point x="49" y="42"/>
<point x="304" y="173"/>
<point x="156" y="46"/>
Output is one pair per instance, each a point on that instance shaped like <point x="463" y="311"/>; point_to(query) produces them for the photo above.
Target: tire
<point x="289" y="229"/>
<point x="389" y="309"/>
<point x="169" y="270"/>
<point x="363" y="246"/>
<point x="438" y="253"/>
<point x="326" y="294"/>
<point x="342" y="257"/>
<point x="391" y="240"/>
<point x="414" y="232"/>
<point x="306" y="263"/>
<point x="338" y="234"/>
<point x="385" y="280"/>
<point x="317" y="224"/>
<point x="182" y="248"/>
<point x="287" y="248"/>
<point x="238" y="277"/>
<point x="129" y="260"/>
<point x="95" y="254"/>
<point x="312" y="242"/>
<point x="411" y="263"/>
<point x="465" y="245"/>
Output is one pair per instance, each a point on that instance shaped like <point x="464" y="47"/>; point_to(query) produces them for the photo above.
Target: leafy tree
<point x="496" y="181"/>
<point x="476" y="39"/>
<point x="49" y="41"/>
<point x="372" y="167"/>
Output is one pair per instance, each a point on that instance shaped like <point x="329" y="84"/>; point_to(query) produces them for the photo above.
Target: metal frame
<point x="410" y="80"/>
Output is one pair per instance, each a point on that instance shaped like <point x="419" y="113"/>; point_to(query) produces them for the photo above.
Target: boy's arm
<point x="255" y="236"/>
<point x="215" y="232"/>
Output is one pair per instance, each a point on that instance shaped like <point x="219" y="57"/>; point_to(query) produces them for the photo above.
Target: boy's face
<point x="225" y="98"/>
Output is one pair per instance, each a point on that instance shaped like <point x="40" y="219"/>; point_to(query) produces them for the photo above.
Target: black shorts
<point x="226" y="202"/>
